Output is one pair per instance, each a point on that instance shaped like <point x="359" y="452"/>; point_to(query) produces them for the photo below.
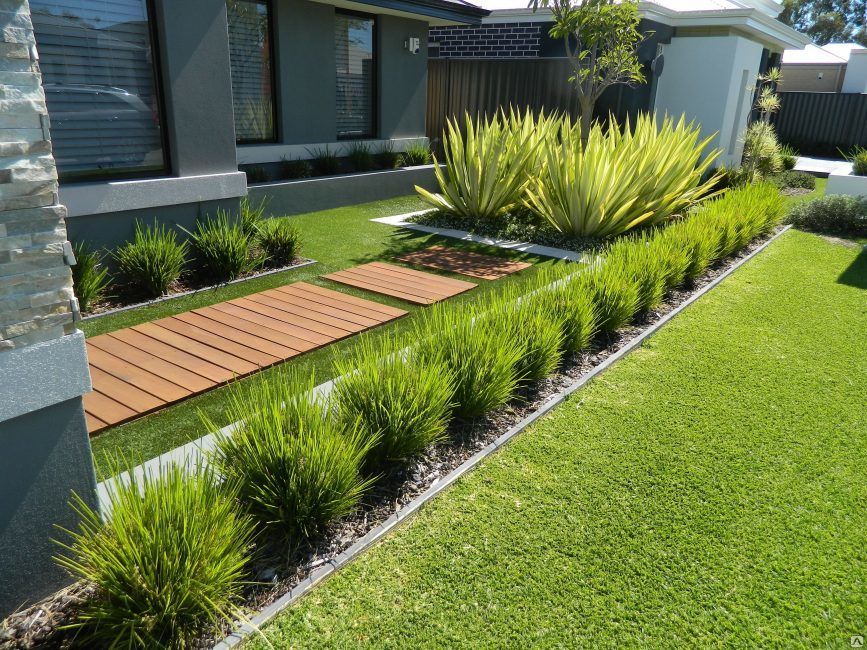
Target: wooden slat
<point x="160" y="367"/>
<point x="455" y="260"/>
<point x="157" y="386"/>
<point x="147" y="366"/>
<point x="408" y="284"/>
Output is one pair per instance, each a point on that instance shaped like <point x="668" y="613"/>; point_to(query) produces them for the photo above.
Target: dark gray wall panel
<point x="402" y="78"/>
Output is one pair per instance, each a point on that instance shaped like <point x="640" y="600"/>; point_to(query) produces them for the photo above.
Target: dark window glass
<point x="252" y="79"/>
<point x="354" y="36"/>
<point x="98" y="69"/>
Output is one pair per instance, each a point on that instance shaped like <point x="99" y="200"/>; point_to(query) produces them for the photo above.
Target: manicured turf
<point x="336" y="239"/>
<point x="707" y="491"/>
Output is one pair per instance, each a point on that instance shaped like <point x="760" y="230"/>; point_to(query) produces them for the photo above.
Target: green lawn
<point x="337" y="239"/>
<point x="707" y="491"/>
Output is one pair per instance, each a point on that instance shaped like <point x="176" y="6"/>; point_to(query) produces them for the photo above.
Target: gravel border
<point x="379" y="531"/>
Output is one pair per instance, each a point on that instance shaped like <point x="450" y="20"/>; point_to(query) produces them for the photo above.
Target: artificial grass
<point x="337" y="239"/>
<point x="706" y="491"/>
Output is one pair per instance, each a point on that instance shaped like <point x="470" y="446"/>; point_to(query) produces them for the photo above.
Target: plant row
<point x="219" y="249"/>
<point x="171" y="560"/>
<point x="616" y="180"/>
<point x="360" y="157"/>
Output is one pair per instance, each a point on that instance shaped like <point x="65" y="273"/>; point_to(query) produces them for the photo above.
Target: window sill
<point x="120" y="196"/>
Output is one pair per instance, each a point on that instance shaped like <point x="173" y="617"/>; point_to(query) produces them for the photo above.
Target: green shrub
<point x="700" y="239"/>
<point x="152" y="261"/>
<point x="414" y="154"/>
<point x="401" y="402"/>
<point x="581" y="191"/>
<point x="386" y="157"/>
<point x="793" y="179"/>
<point x="168" y="562"/>
<point x="761" y="157"/>
<point x="222" y="249"/>
<point x="279" y="241"/>
<point x="360" y="157"/>
<point x="788" y="157"/>
<point x="834" y="214"/>
<point x="297" y="469"/>
<point x="674" y="257"/>
<point x="89" y="277"/>
<point x="291" y="168"/>
<point x="324" y="161"/>
<point x="486" y="167"/>
<point x="257" y="174"/>
<point x="482" y="360"/>
<point x="858" y="158"/>
<point x="560" y="294"/>
<point x="615" y="293"/>
<point x="540" y="336"/>
<point x="251" y="216"/>
<point x="646" y="269"/>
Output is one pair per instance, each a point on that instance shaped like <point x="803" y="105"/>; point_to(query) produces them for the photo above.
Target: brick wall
<point x="36" y="299"/>
<point x="494" y="40"/>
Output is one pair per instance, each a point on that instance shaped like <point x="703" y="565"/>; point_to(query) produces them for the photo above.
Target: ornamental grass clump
<point x="168" y="562"/>
<point x="536" y="333"/>
<point x="482" y="360"/>
<point x="296" y="467"/>
<point x="646" y="269"/>
<point x="400" y="401"/>
<point x="620" y="180"/>
<point x="486" y="167"/>
<point x="674" y="257"/>
<point x="614" y="291"/>
<point x="279" y="241"/>
<point x="222" y="248"/>
<point x="560" y="294"/>
<point x="700" y="238"/>
<point x="89" y="276"/>
<point x="152" y="261"/>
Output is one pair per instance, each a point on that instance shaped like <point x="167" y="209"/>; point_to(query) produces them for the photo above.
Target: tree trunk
<point x="585" y="106"/>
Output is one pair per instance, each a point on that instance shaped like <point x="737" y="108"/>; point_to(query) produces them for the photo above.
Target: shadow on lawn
<point x="856" y="274"/>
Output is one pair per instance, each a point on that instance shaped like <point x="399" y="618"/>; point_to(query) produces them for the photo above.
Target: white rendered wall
<point x="710" y="79"/>
<point x="855" y="80"/>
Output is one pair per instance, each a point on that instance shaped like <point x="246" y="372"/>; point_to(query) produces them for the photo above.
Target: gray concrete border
<point x="401" y="221"/>
<point x="378" y="532"/>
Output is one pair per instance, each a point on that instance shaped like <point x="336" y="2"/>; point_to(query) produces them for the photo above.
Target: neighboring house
<point x="831" y="68"/>
<point x="154" y="103"/>
<point x="701" y="57"/>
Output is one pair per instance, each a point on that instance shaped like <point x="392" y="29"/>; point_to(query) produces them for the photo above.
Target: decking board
<point x="455" y="260"/>
<point x="146" y="367"/>
<point x="407" y="284"/>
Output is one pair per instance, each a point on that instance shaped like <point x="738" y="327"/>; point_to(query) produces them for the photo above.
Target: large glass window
<point x="252" y="76"/>
<point x="354" y="44"/>
<point x="97" y="61"/>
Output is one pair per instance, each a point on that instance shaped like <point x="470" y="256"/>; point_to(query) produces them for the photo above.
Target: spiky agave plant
<point x="485" y="170"/>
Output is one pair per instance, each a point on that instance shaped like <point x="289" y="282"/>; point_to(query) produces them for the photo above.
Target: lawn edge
<point x="378" y="532"/>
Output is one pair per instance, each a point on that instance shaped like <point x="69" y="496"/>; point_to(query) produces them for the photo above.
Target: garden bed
<point x="185" y="286"/>
<point x="37" y="626"/>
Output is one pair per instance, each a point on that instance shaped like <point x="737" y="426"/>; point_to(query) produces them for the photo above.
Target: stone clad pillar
<point x="44" y="446"/>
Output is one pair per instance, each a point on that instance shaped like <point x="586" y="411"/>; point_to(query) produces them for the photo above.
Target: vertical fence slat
<point x="822" y="123"/>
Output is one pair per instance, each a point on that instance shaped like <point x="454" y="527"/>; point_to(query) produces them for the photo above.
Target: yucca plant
<point x="89" y="277"/>
<point x="279" y="241"/>
<point x="152" y="261"/>
<point x="482" y="360"/>
<point x="620" y="180"/>
<point x="559" y="293"/>
<point x="223" y="251"/>
<point x="297" y="469"/>
<point x="400" y="401"/>
<point x="168" y="560"/>
<point x="486" y="168"/>
<point x="615" y="293"/>
<point x="762" y="152"/>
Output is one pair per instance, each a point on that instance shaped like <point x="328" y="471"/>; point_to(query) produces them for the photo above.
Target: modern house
<point x="154" y="104"/>
<point x="831" y="68"/>
<point x="701" y="57"/>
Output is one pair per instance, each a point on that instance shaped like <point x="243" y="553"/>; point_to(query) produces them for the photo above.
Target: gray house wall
<point x="402" y="78"/>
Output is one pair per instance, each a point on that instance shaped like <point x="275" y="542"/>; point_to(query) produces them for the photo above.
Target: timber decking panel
<point x="454" y="260"/>
<point x="146" y="367"/>
<point x="400" y="282"/>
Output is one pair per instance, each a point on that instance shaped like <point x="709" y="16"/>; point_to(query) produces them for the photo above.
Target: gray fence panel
<point x="822" y="123"/>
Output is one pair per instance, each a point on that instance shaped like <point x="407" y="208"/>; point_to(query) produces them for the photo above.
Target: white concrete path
<point x="823" y="166"/>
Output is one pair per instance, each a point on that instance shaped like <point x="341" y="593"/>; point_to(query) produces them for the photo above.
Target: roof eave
<point x="442" y="13"/>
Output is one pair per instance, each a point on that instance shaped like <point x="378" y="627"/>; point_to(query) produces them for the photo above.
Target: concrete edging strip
<point x="400" y="221"/>
<point x="379" y="531"/>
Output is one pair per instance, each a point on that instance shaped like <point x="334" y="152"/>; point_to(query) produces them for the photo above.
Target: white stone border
<point x="378" y="532"/>
<point x="401" y="221"/>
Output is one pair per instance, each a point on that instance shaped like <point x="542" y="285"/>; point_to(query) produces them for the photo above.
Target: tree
<point x="601" y="40"/>
<point x="827" y="21"/>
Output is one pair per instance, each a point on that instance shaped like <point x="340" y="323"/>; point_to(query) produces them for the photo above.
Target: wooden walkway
<point x="400" y="282"/>
<point x="148" y="366"/>
<point x="455" y="260"/>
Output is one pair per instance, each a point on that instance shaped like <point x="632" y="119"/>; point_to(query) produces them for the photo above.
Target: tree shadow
<point x="856" y="274"/>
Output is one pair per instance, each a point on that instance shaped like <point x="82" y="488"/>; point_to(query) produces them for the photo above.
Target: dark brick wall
<point x="513" y="40"/>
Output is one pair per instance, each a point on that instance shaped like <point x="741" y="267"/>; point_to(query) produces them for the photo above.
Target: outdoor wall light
<point x="412" y="45"/>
